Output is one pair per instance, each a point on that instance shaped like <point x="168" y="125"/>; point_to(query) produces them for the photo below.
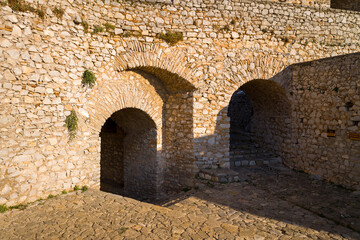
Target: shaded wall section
<point x="112" y="157"/>
<point x="346" y="4"/>
<point x="325" y="119"/>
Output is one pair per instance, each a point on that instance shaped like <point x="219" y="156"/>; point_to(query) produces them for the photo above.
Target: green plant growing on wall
<point x="136" y="34"/>
<point x="20" y="206"/>
<point x="225" y="29"/>
<point x="109" y="26"/>
<point x="97" y="29"/>
<point x="88" y="79"/>
<point x="285" y="39"/>
<point x="3" y="208"/>
<point x="59" y="12"/>
<point x="85" y="25"/>
<point x="71" y="124"/>
<point x="171" y="38"/>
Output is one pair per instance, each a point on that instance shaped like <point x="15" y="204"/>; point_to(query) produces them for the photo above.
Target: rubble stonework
<point x="184" y="89"/>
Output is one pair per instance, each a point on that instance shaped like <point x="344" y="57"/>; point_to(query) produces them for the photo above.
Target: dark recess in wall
<point x="346" y="4"/>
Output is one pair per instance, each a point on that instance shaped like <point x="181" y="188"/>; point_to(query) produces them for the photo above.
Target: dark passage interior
<point x="258" y="113"/>
<point x="128" y="155"/>
<point x="240" y="113"/>
<point x="244" y="150"/>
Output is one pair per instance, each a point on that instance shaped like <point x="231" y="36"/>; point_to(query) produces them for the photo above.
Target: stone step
<point x="258" y="162"/>
<point x="219" y="175"/>
<point x="252" y="155"/>
<point x="247" y="151"/>
<point x="246" y="146"/>
<point x="242" y="144"/>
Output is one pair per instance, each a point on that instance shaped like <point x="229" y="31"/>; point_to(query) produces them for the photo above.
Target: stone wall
<point x="178" y="137"/>
<point x="325" y="98"/>
<point x="112" y="157"/>
<point x="140" y="155"/>
<point x="225" y="45"/>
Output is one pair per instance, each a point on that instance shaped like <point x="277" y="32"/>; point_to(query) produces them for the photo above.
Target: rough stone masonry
<point x="166" y="104"/>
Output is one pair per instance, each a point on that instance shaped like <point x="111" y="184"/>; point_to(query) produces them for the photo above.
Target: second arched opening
<point x="259" y="114"/>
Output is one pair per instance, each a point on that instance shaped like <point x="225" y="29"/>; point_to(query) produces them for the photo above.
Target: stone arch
<point x="263" y="140"/>
<point x="253" y="66"/>
<point x="115" y="91"/>
<point x="261" y="67"/>
<point x="179" y="79"/>
<point x="163" y="89"/>
<point x="164" y="63"/>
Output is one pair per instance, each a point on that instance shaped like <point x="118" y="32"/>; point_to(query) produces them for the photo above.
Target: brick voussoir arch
<point x="110" y="96"/>
<point x="140" y="55"/>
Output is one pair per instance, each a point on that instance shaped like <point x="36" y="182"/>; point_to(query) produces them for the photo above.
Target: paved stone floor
<point x="266" y="204"/>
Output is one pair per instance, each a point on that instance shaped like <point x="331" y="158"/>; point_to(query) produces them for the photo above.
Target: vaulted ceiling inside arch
<point x="172" y="82"/>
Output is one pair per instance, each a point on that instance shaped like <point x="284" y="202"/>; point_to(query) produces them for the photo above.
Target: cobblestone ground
<point x="266" y="204"/>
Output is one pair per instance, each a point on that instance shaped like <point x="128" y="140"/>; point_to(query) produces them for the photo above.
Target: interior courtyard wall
<point x="325" y="98"/>
<point x="141" y="164"/>
<point x="224" y="46"/>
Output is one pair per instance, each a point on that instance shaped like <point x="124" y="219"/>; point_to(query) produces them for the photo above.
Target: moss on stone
<point x="171" y="38"/>
<point x="3" y="208"/>
<point x="97" y="29"/>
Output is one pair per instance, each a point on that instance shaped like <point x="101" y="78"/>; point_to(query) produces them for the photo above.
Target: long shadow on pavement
<point x="286" y="196"/>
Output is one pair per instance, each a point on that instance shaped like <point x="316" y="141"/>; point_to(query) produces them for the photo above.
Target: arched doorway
<point x="259" y="114"/>
<point x="168" y="99"/>
<point x="129" y="155"/>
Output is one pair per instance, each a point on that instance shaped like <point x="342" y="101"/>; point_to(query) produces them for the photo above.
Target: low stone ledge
<point x="219" y="175"/>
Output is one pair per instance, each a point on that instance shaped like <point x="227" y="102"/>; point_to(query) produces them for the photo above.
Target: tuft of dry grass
<point x="22" y="6"/>
<point x="59" y="12"/>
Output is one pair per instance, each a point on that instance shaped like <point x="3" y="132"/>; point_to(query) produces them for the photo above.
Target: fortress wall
<point x="42" y="62"/>
<point x="326" y="111"/>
